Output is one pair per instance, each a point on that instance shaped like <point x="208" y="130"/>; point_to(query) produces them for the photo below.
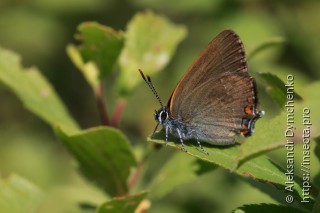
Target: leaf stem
<point x="136" y="175"/>
<point x="118" y="112"/>
<point x="98" y="92"/>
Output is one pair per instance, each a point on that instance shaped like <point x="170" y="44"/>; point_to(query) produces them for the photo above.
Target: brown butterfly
<point x="216" y="100"/>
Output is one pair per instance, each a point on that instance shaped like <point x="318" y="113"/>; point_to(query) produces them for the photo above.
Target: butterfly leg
<point x="181" y="141"/>
<point x="155" y="129"/>
<point x="201" y="148"/>
<point x="167" y="132"/>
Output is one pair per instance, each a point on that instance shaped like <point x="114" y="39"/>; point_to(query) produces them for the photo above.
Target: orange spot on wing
<point x="248" y="110"/>
<point x="245" y="130"/>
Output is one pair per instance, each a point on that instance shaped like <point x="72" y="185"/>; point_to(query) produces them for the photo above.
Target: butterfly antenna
<point x="148" y="81"/>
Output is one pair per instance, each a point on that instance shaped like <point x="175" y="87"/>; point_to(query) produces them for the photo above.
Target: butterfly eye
<point x="164" y="115"/>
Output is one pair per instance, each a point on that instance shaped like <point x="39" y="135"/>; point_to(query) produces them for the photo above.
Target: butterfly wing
<point x="216" y="98"/>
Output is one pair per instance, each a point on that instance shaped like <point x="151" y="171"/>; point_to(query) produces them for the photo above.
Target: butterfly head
<point x="162" y="115"/>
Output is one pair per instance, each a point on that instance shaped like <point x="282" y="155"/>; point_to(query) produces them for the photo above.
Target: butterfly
<point x="216" y="99"/>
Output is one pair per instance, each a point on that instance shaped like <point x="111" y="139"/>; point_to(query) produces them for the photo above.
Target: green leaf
<point x="19" y="195"/>
<point x="34" y="91"/>
<point x="262" y="169"/>
<point x="259" y="168"/>
<point x="150" y="43"/>
<point x="262" y="141"/>
<point x="266" y="208"/>
<point x="125" y="204"/>
<point x="89" y="70"/>
<point x="179" y="170"/>
<point x="225" y="156"/>
<point x="101" y="45"/>
<point x="276" y="88"/>
<point x="104" y="156"/>
<point x="278" y="193"/>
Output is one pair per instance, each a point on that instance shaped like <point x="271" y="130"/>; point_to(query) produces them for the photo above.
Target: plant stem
<point x="135" y="176"/>
<point x="118" y="112"/>
<point x="98" y="92"/>
<point x="137" y="173"/>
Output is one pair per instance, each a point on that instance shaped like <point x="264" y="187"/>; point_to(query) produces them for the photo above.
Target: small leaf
<point x="125" y="204"/>
<point x="101" y="45"/>
<point x="150" y="43"/>
<point x="89" y="69"/>
<point x="34" y="91"/>
<point x="104" y="156"/>
<point x="276" y="88"/>
<point x="19" y="195"/>
<point x="266" y="208"/>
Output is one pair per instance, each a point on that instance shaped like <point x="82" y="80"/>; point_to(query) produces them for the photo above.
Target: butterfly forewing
<point x="212" y="96"/>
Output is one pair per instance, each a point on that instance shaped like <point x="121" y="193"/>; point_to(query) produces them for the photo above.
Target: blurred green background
<point x="39" y="30"/>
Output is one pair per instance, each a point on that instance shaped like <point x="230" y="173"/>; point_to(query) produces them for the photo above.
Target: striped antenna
<point x="148" y="81"/>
